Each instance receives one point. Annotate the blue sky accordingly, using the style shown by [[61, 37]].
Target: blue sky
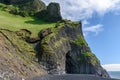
[[106, 44], [101, 26]]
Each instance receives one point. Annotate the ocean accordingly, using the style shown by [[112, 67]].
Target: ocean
[[114, 74]]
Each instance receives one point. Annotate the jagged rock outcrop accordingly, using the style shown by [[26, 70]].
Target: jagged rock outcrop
[[65, 51], [51, 14], [53, 10]]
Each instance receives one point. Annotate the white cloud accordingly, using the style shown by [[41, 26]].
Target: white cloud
[[83, 9], [112, 67], [94, 28], [78, 10], [85, 22]]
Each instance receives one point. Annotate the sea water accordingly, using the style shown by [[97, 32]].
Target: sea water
[[114, 74]]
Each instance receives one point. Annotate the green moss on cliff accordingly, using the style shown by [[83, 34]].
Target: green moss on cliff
[[47, 38], [25, 49], [47, 51], [17, 55], [80, 41], [2, 5], [88, 57], [53, 40], [60, 42], [48, 43], [63, 23]]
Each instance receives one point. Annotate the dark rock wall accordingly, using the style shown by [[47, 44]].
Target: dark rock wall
[[65, 51], [53, 10]]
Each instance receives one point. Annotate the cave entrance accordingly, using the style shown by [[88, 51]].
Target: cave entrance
[[69, 63]]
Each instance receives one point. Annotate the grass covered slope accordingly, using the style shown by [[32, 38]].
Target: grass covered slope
[[16, 22]]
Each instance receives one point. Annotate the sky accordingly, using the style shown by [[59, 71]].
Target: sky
[[101, 27]]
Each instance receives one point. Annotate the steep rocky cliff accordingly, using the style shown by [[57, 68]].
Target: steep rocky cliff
[[64, 50], [17, 57], [59, 50]]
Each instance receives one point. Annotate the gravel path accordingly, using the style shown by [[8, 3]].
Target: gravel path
[[71, 77]]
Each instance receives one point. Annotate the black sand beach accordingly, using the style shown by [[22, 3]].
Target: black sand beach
[[71, 77]]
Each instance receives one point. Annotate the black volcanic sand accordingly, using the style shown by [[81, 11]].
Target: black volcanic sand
[[71, 77]]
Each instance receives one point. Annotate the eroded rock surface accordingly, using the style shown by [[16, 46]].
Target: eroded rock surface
[[17, 57], [66, 51]]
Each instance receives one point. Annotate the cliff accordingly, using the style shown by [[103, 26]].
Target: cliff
[[56, 50], [63, 49]]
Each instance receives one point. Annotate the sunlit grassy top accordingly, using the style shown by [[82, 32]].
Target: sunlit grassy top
[[15, 22]]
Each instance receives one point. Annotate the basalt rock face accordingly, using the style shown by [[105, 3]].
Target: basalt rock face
[[64, 50]]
